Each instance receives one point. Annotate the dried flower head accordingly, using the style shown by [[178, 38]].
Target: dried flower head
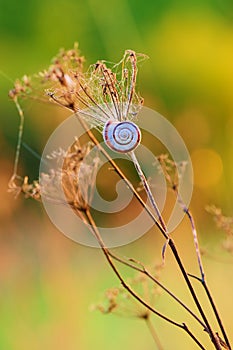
[[119, 302], [99, 94], [57, 77], [79, 175], [30, 190], [172, 171], [76, 177], [224, 223], [109, 93]]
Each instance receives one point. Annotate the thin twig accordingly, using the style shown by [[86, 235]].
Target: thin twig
[[170, 241], [147, 188], [193, 337], [132, 80], [213, 337], [194, 231], [144, 271], [105, 250], [153, 333], [210, 298], [203, 279], [20, 135], [121, 174], [216, 314], [171, 244], [96, 233]]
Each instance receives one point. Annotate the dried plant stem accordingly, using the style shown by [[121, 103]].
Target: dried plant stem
[[216, 314], [213, 305], [213, 337], [194, 231], [193, 337], [170, 243], [105, 250], [111, 161], [19, 141], [147, 189], [144, 271], [74, 86], [121, 174], [203, 278], [152, 200], [153, 333]]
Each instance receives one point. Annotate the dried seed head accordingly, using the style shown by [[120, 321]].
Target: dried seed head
[[223, 222], [30, 190], [100, 94], [119, 302], [79, 176]]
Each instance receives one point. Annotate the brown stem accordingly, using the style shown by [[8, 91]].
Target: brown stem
[[117, 273], [147, 273], [216, 313], [105, 250], [210, 298], [147, 189], [153, 333], [20, 135], [213, 337], [203, 279], [194, 231], [170, 242], [121, 174], [193, 337]]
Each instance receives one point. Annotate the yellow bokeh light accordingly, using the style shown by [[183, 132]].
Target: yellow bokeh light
[[207, 166]]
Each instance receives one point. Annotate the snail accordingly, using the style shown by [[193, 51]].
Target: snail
[[121, 137]]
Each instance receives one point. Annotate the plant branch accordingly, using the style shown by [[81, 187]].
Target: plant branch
[[210, 298], [193, 337], [194, 231], [121, 174], [105, 250], [216, 313], [202, 279], [171, 244], [20, 135], [144, 271], [147, 189], [153, 333], [213, 337]]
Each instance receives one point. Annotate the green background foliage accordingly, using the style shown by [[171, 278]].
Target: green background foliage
[[48, 282]]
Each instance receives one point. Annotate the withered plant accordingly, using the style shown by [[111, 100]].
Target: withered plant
[[102, 95]]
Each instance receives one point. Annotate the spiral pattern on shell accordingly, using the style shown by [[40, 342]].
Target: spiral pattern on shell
[[121, 137]]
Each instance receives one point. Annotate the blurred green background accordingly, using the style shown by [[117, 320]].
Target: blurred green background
[[47, 282]]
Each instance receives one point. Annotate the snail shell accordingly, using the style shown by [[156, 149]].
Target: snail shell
[[122, 136]]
